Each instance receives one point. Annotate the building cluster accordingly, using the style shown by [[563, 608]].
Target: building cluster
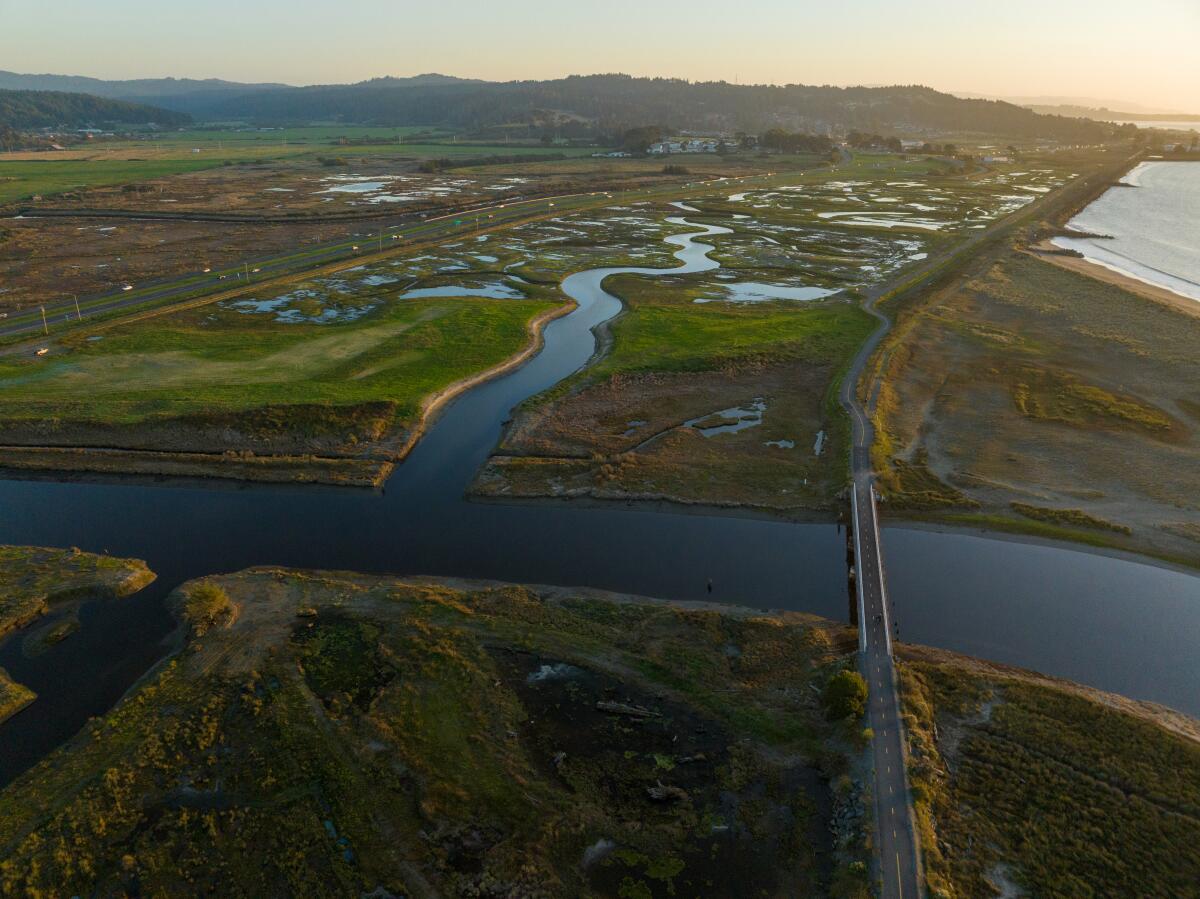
[[690, 145]]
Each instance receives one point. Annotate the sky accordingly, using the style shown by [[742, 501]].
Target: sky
[[1144, 53]]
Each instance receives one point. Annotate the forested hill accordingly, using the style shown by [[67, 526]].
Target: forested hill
[[585, 104], [611, 102], [51, 109]]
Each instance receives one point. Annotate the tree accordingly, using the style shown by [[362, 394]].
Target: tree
[[785, 142], [845, 696], [638, 140]]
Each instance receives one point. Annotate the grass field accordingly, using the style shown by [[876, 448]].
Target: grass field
[[331, 734], [13, 696], [1027, 786], [285, 383], [341, 365], [334, 733], [34, 581], [20, 180], [105, 163]]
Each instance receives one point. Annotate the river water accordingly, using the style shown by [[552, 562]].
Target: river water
[[1112, 623], [1154, 226]]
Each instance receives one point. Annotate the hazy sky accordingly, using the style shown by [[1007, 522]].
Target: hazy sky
[[1146, 52]]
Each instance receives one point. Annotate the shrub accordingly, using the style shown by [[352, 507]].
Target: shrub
[[206, 605], [845, 695]]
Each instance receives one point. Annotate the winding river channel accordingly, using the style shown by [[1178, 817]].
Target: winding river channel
[[1114, 623]]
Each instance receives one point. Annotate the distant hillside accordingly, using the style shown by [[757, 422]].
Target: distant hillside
[[596, 104], [123, 90], [202, 98], [612, 102], [187, 95], [49, 109], [1103, 114]]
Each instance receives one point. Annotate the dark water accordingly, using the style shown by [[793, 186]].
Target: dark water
[[1114, 624]]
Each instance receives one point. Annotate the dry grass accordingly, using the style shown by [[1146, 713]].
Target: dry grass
[[1025, 383]]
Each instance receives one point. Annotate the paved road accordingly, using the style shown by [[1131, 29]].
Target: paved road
[[895, 837], [899, 854]]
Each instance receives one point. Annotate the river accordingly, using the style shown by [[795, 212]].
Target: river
[[1113, 623]]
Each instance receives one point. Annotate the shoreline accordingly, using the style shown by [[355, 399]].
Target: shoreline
[[1097, 271], [338, 471], [1047, 251]]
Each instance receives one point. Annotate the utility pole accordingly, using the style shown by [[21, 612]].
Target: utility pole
[[247, 265], [45, 327], [78, 314]]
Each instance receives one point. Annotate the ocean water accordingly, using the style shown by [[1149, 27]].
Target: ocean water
[[1154, 225]]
